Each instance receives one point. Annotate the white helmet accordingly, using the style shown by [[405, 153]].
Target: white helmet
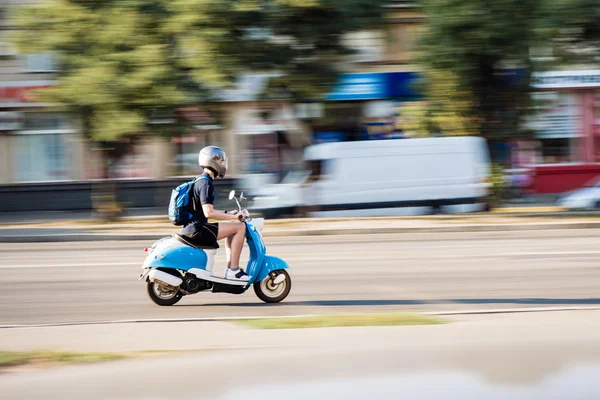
[[215, 159]]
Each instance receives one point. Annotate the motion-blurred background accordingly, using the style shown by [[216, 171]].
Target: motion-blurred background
[[485, 109], [105, 105]]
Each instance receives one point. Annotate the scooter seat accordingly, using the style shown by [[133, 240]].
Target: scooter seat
[[187, 241]]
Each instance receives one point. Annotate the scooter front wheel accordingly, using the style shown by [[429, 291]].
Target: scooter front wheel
[[270, 292], [163, 296]]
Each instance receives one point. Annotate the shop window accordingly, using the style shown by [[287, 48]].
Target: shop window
[[557, 126], [185, 150], [41, 158], [558, 151], [41, 62], [46, 121]]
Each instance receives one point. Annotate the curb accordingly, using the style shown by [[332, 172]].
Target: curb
[[242, 318], [439, 229], [93, 237]]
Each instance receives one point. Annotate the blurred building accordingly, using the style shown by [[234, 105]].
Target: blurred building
[[37, 143], [365, 103], [41, 143], [565, 152]]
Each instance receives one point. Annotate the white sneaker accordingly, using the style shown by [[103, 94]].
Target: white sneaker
[[237, 275]]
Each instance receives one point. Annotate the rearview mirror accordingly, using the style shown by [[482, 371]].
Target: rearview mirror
[[231, 195]]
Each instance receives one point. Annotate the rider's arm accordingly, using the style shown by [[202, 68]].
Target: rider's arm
[[210, 212]]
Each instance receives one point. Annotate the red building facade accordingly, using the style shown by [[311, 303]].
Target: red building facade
[[566, 152]]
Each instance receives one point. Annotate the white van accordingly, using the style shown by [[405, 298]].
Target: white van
[[392, 177]]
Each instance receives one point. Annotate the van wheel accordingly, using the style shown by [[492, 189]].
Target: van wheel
[[436, 210]]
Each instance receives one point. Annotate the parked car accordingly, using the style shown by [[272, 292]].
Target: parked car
[[585, 198]]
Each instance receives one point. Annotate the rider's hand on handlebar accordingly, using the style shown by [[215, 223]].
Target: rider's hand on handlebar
[[241, 217]]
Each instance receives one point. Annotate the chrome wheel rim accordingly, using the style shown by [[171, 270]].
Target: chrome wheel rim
[[162, 292], [270, 289]]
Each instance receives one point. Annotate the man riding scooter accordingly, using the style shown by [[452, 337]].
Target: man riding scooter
[[213, 160]]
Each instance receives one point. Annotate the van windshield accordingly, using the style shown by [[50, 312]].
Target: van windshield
[[315, 167], [296, 177]]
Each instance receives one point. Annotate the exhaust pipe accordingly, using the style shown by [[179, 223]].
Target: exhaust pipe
[[164, 279]]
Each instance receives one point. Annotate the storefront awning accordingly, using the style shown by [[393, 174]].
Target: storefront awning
[[571, 79]]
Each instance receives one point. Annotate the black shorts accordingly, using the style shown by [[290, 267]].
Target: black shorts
[[205, 235]]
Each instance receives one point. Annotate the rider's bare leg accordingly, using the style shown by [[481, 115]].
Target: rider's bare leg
[[228, 250], [233, 231]]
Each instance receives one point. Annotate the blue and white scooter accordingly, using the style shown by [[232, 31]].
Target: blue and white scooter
[[175, 267]]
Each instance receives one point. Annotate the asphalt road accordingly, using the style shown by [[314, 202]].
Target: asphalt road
[[87, 282]]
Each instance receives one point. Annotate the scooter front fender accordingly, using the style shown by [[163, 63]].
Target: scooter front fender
[[270, 264]]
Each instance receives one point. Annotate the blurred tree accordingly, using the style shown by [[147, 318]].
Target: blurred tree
[[445, 109], [576, 31], [127, 63], [485, 45]]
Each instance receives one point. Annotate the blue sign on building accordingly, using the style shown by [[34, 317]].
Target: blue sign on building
[[329, 137], [382, 85], [403, 84], [359, 87]]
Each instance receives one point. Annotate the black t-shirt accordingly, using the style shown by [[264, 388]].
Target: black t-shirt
[[203, 192]]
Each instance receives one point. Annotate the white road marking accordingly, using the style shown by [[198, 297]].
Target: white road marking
[[104, 264], [324, 258], [59, 255], [513, 310], [237, 318]]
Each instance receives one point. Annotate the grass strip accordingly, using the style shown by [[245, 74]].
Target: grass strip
[[18, 358], [329, 321]]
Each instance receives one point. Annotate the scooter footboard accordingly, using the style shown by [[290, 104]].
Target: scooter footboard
[[271, 264]]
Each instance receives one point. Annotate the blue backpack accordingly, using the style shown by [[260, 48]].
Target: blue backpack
[[179, 206]]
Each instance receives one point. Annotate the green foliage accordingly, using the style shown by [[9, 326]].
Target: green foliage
[[576, 31], [479, 40], [124, 61], [476, 41], [117, 69], [446, 110], [498, 191], [16, 358]]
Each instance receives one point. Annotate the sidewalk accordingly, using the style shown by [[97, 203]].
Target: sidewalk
[[153, 228], [531, 213], [541, 356], [530, 204], [148, 336]]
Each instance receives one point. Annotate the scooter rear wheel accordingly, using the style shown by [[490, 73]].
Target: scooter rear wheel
[[162, 296], [269, 292]]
